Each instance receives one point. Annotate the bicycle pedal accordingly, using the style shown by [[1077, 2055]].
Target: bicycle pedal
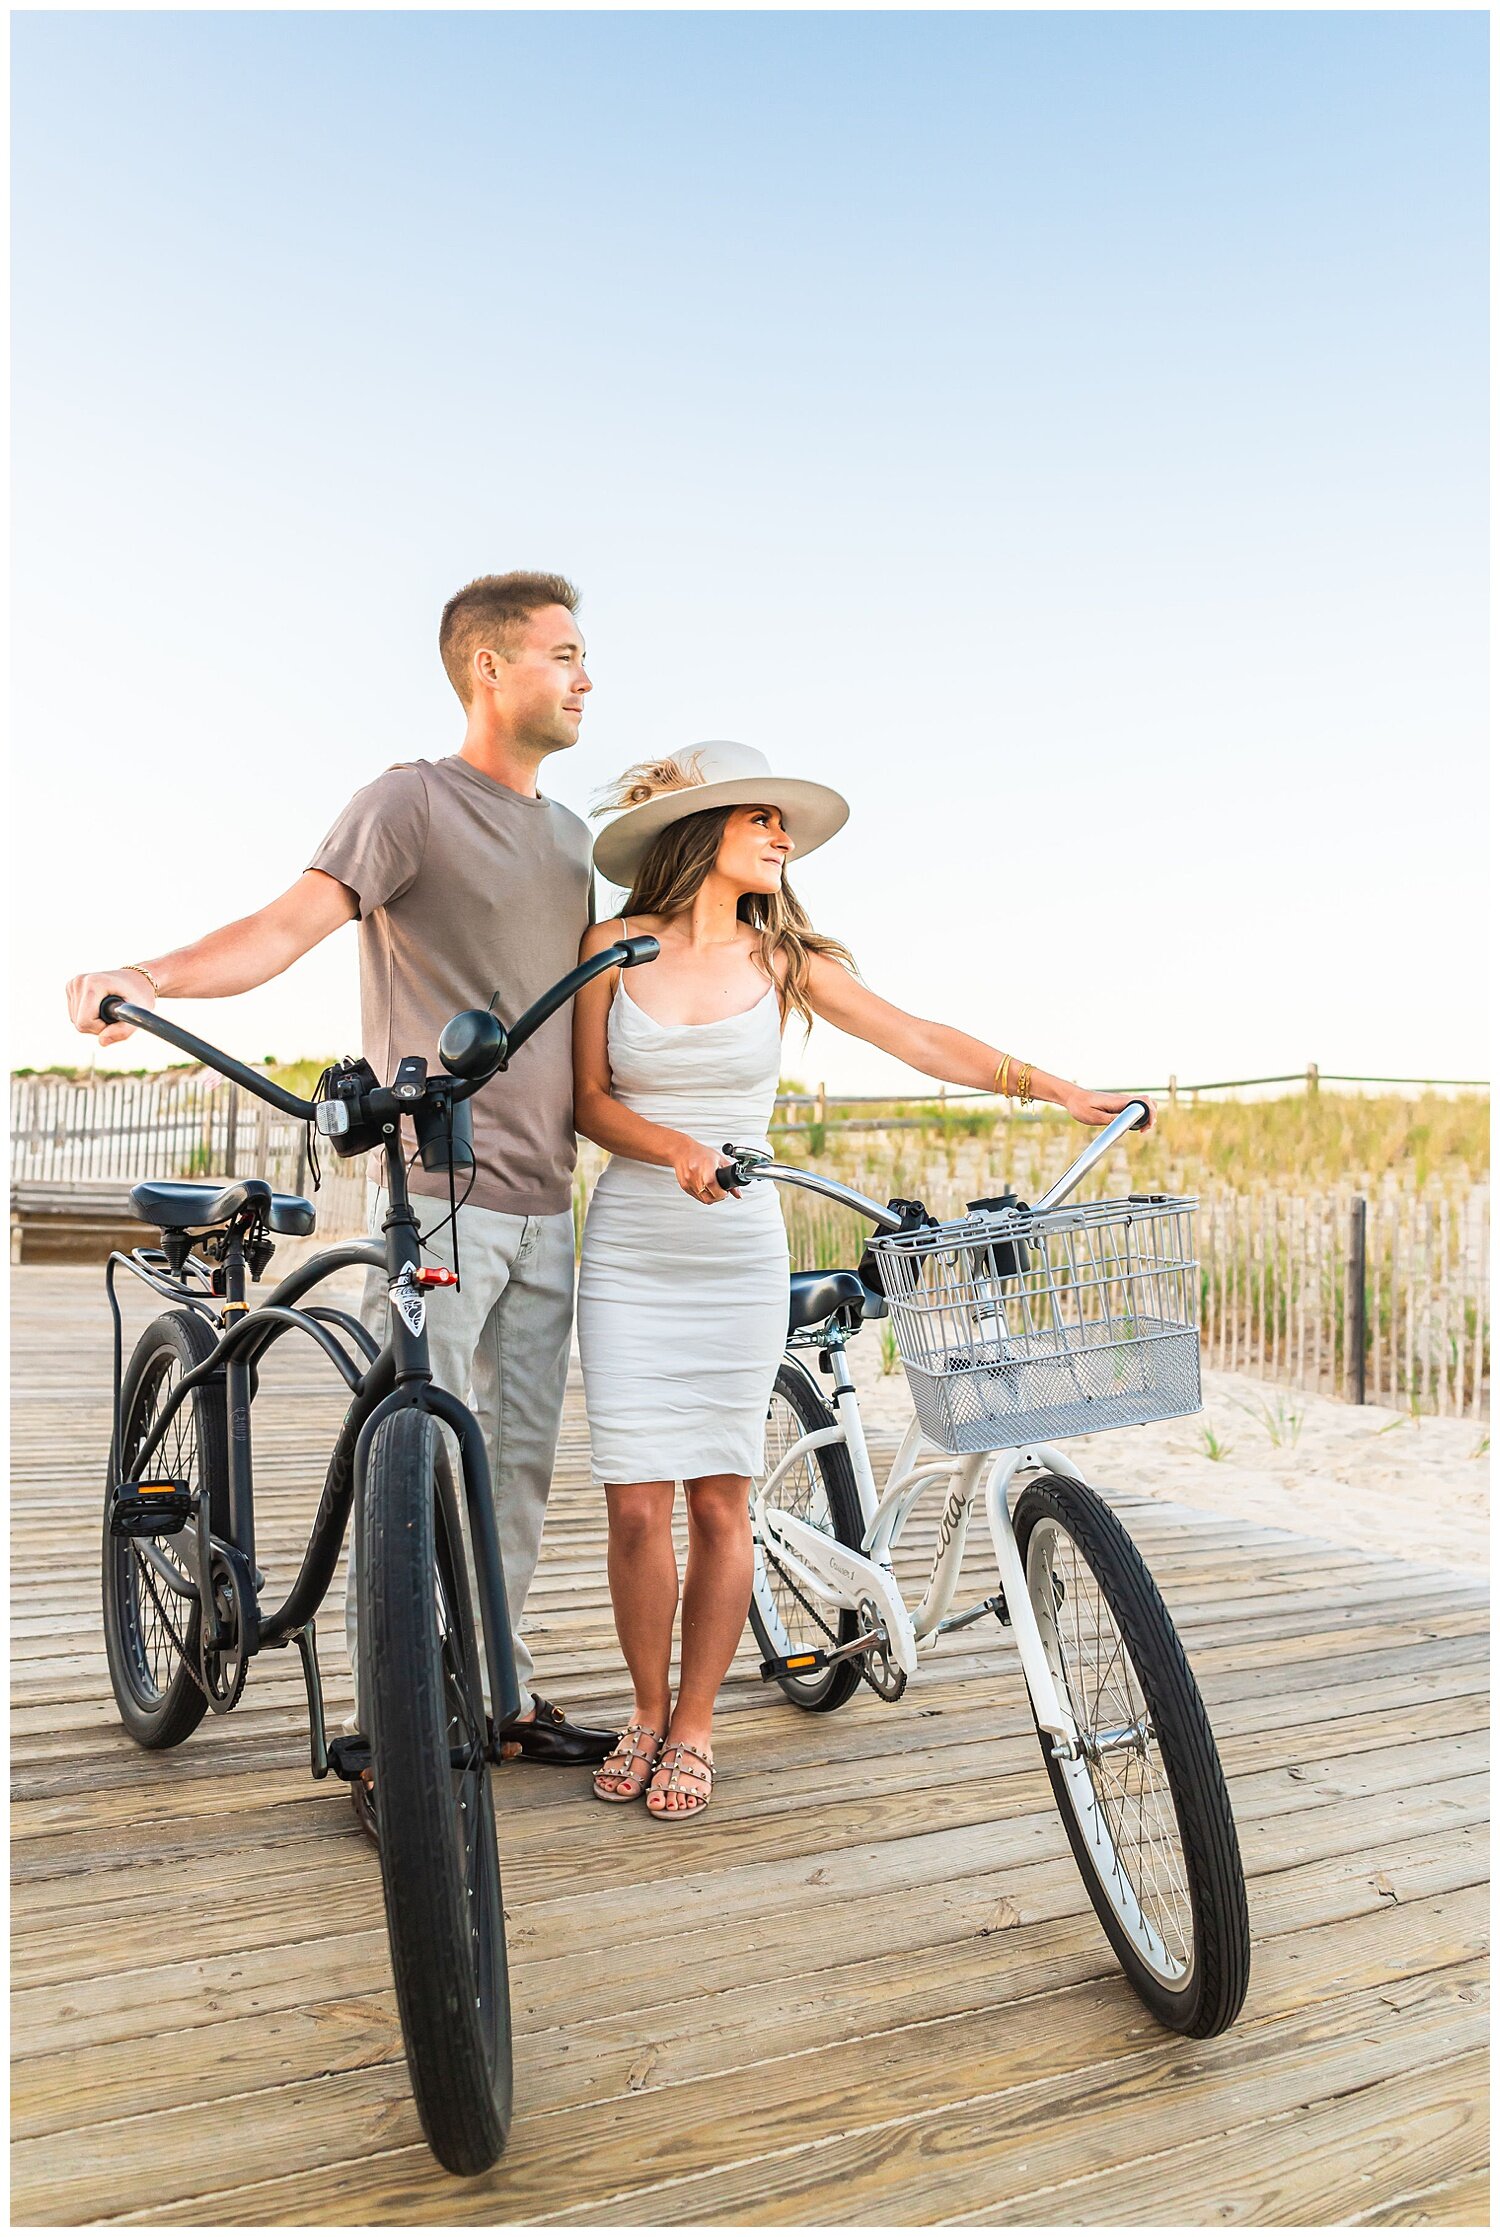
[[151, 1509], [799, 1665], [349, 1755]]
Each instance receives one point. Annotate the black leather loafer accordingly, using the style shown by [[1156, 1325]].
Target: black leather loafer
[[548, 1737]]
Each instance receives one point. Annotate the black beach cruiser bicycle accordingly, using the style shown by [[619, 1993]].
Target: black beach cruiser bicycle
[[183, 1616]]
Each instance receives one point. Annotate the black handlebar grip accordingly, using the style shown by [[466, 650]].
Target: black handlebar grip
[[110, 1007], [642, 949], [728, 1176]]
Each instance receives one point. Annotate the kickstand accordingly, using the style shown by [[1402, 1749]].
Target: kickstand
[[307, 1647]]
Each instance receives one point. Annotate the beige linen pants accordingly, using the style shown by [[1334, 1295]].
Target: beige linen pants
[[499, 1342]]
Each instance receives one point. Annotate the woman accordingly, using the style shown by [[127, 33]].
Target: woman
[[682, 1292]]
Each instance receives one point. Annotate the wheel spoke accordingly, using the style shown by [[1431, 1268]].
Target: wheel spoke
[[156, 1639], [800, 1492], [1120, 1790]]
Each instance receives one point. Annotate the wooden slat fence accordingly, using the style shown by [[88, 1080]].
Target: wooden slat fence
[[1277, 1297], [171, 1127]]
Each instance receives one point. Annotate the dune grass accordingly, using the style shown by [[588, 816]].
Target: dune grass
[[1309, 1141]]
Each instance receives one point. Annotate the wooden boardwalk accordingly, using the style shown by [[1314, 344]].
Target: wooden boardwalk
[[867, 1989]]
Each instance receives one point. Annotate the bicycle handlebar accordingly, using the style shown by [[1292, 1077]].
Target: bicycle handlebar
[[754, 1165], [1134, 1114], [818, 1184], [622, 955], [116, 1011]]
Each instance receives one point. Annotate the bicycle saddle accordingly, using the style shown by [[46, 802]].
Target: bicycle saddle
[[183, 1204], [816, 1296]]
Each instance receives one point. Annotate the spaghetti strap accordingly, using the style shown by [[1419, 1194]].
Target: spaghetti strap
[[624, 928]]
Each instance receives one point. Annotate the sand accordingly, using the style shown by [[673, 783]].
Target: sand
[[1358, 1476]]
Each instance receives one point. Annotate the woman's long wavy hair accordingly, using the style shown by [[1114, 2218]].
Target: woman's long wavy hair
[[680, 858]]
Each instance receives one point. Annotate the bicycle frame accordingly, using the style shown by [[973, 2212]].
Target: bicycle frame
[[845, 1578], [381, 1380], [842, 1577], [475, 1046]]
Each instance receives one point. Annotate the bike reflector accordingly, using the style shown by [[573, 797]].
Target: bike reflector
[[435, 1277]]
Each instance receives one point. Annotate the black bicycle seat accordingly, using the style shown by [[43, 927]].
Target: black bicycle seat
[[194, 1204], [815, 1297]]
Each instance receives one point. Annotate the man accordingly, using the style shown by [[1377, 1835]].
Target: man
[[466, 882]]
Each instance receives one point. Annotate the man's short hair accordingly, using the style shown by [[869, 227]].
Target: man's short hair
[[489, 611]]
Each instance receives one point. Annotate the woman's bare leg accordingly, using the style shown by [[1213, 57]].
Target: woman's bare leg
[[715, 1602], [643, 1589]]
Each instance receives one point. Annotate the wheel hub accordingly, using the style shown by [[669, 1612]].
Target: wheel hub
[[1133, 1739]]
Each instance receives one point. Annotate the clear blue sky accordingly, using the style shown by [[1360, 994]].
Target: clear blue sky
[[1063, 432]]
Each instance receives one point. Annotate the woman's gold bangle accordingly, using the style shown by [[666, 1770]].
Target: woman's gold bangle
[[145, 974], [1002, 1070], [1023, 1084]]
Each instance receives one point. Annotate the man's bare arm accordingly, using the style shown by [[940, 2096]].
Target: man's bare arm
[[230, 961]]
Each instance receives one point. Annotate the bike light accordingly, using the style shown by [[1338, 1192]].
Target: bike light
[[435, 1277]]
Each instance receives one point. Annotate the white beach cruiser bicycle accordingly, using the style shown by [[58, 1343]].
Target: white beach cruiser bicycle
[[1015, 1325]]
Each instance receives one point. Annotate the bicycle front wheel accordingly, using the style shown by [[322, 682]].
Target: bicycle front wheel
[[424, 1701], [1144, 1804]]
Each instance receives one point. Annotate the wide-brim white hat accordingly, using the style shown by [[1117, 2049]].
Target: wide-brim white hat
[[726, 776]]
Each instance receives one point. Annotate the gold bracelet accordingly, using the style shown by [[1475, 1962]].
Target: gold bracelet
[[145, 974], [1001, 1071], [1023, 1085]]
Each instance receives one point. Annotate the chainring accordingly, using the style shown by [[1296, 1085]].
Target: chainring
[[223, 1669], [878, 1667]]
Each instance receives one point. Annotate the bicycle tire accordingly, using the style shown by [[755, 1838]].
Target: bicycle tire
[[822, 1491], [150, 1641], [1182, 1935], [441, 1873]]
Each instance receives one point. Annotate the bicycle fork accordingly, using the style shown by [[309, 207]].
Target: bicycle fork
[[1051, 1711]]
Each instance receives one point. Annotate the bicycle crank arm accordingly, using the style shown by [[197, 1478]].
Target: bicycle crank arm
[[838, 1574], [806, 1660], [994, 1606]]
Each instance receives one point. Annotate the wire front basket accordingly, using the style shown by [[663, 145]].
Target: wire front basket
[[1018, 1327]]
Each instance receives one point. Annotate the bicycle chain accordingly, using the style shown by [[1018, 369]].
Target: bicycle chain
[[179, 1642], [799, 1597]]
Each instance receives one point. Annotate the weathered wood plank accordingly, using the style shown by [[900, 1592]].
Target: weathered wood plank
[[562, 1978], [1057, 2082], [1317, 2164], [1463, 2203]]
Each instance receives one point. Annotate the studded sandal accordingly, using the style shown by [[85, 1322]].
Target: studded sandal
[[700, 1770], [618, 1764]]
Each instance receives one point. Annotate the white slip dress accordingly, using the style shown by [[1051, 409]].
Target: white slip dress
[[682, 1306]]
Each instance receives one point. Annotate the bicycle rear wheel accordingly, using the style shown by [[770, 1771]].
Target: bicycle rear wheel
[[424, 1701], [819, 1489], [151, 1613], [1145, 1805]]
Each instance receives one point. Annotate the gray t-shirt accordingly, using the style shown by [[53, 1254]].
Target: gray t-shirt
[[465, 888]]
